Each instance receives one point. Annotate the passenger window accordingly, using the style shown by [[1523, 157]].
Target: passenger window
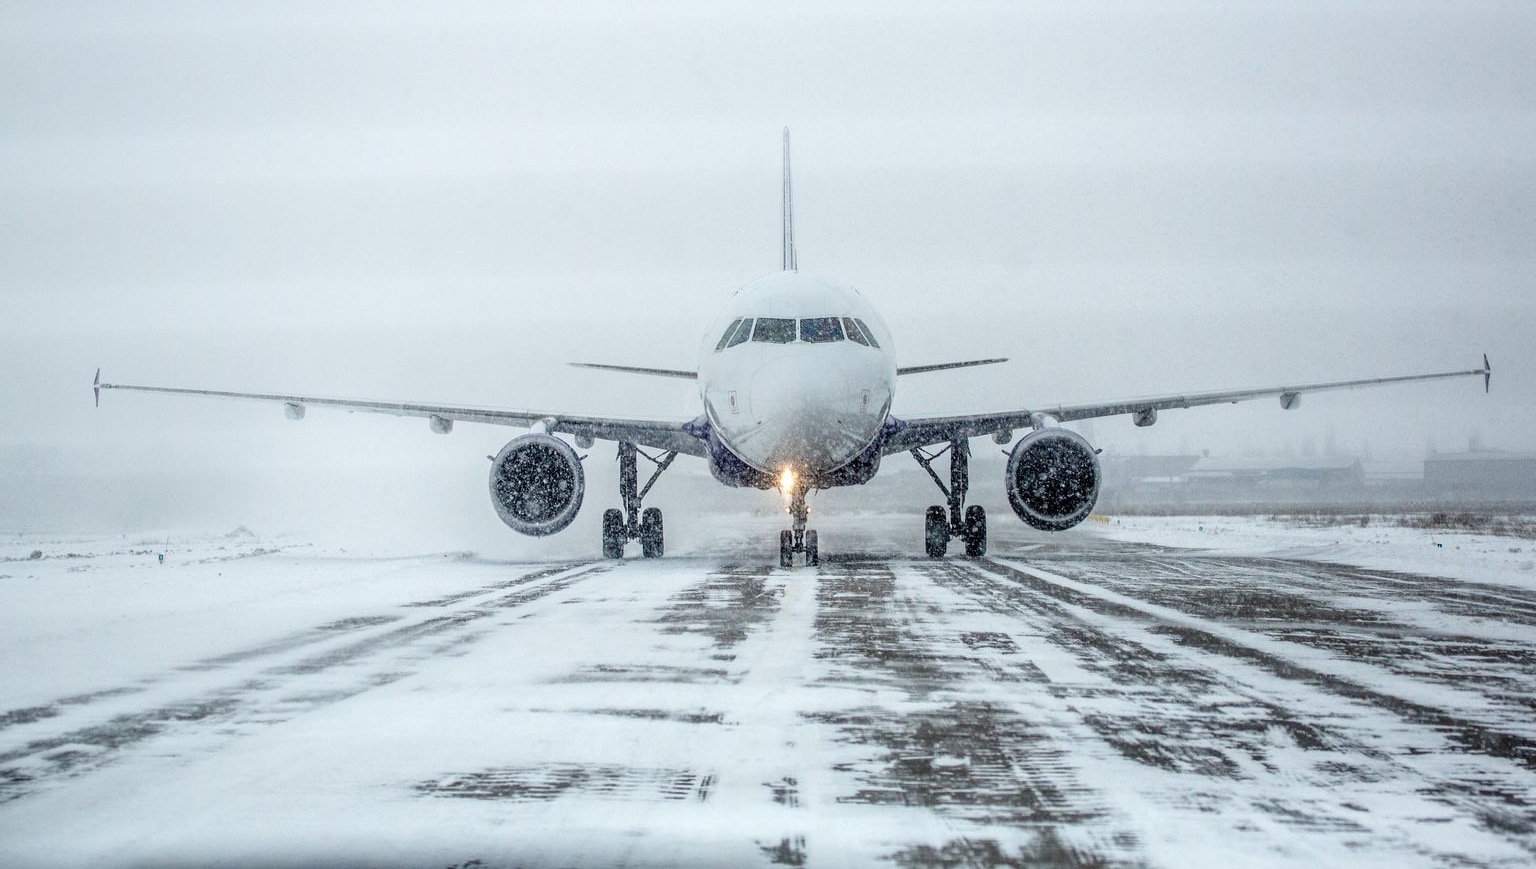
[[774, 330], [820, 330], [868, 335], [854, 334], [729, 331], [742, 333]]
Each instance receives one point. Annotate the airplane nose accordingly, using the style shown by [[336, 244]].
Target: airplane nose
[[805, 415], [789, 383]]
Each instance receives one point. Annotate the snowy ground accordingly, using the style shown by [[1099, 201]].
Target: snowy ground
[[1276, 696], [1379, 542]]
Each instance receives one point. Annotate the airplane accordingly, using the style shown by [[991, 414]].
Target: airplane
[[796, 378]]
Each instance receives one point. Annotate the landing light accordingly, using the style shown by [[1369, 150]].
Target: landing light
[[789, 488]]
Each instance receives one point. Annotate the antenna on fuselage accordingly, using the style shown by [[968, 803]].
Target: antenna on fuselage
[[790, 263]]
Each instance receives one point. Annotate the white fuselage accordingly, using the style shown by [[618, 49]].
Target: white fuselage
[[808, 389]]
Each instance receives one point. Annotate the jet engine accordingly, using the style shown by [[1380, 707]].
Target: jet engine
[[1053, 479], [537, 484]]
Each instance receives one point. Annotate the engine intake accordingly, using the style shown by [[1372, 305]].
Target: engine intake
[[537, 484], [1053, 479]]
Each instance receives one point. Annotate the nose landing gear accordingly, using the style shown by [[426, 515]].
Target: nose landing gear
[[798, 539], [620, 527], [967, 523]]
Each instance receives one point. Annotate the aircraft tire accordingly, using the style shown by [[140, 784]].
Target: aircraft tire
[[786, 549], [812, 552], [652, 540], [936, 532], [975, 531], [613, 534]]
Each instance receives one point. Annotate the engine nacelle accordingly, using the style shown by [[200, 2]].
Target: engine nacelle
[[537, 484], [1053, 479]]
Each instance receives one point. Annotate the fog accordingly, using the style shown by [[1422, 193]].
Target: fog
[[422, 202]]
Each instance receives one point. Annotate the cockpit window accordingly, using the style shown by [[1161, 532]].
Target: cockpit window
[[729, 331], [812, 330], [774, 330], [743, 332], [820, 330], [859, 332]]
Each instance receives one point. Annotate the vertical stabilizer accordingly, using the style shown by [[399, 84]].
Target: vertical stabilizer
[[790, 263]]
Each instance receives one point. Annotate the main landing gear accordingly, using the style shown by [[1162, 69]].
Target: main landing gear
[[797, 538], [967, 523], [620, 527]]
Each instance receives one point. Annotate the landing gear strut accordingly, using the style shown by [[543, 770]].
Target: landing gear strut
[[798, 539], [967, 523], [620, 527]]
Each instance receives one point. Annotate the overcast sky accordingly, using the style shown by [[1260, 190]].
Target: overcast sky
[[449, 201]]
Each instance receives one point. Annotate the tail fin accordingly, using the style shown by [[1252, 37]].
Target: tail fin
[[790, 262]]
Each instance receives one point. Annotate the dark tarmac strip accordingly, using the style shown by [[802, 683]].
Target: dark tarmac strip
[[1067, 702]]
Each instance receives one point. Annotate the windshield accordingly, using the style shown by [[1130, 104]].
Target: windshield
[[783, 330], [774, 330], [820, 330]]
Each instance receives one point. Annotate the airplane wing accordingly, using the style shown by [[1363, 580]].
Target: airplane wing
[[946, 366], [648, 433], [940, 429], [630, 369]]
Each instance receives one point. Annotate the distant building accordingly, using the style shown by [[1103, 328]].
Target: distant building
[[1399, 474], [1123, 471], [1306, 473], [1475, 479], [1142, 479], [1491, 472]]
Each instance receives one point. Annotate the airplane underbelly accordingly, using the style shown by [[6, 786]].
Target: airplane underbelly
[[812, 443]]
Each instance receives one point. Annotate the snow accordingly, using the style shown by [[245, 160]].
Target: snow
[[1482, 558], [263, 700]]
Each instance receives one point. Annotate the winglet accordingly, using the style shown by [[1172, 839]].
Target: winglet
[[1487, 373], [96, 387], [791, 263]]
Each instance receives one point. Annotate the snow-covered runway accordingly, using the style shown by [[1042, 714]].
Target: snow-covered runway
[[1070, 700]]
